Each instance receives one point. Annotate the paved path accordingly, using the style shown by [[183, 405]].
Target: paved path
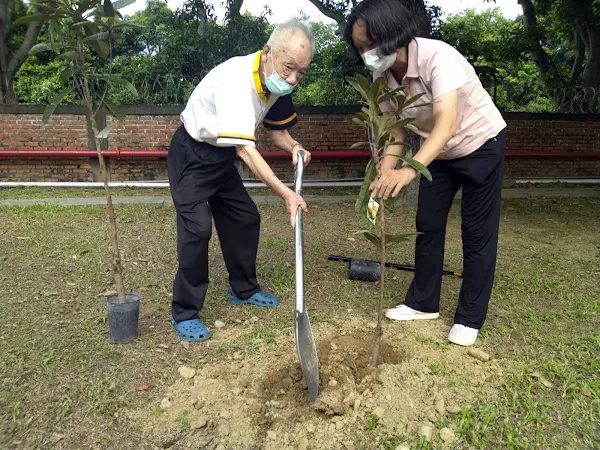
[[261, 199]]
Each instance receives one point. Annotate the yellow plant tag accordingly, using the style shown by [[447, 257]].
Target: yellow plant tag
[[372, 208]]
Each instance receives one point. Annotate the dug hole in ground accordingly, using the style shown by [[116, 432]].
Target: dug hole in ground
[[252, 401]]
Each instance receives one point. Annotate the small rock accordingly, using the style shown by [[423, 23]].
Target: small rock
[[454, 409], [287, 383], [478, 354], [337, 419], [372, 325], [403, 447], [165, 346], [198, 403], [165, 404], [333, 382], [225, 414], [221, 447], [199, 423], [447, 435], [339, 426], [388, 398], [255, 408], [224, 430], [349, 446], [57, 437], [303, 444], [253, 319], [185, 344], [219, 324], [426, 432], [310, 427], [379, 411], [238, 321], [186, 372], [271, 435], [343, 333], [334, 347], [236, 391], [432, 417], [440, 405], [275, 404], [238, 355]]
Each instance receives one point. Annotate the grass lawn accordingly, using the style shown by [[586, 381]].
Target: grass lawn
[[64, 385]]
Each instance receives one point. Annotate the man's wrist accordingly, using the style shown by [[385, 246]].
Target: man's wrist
[[297, 144]]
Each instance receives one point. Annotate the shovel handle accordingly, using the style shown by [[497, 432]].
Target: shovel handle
[[298, 237]]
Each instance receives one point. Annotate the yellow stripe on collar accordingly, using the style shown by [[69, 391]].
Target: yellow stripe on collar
[[257, 84]]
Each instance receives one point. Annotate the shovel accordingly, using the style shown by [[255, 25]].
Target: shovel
[[305, 343]]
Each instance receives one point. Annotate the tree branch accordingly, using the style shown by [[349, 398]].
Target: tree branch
[[579, 58], [234, 8], [31, 37], [329, 12], [537, 51]]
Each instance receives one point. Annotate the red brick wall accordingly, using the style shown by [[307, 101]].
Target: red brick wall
[[319, 129]]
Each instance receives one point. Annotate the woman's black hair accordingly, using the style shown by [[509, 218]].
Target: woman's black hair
[[389, 23]]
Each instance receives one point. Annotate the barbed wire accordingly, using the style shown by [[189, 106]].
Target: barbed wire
[[175, 90]]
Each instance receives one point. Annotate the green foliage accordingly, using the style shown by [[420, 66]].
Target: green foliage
[[382, 127], [37, 83], [81, 33]]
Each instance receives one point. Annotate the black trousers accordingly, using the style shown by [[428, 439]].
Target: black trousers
[[205, 184], [480, 174]]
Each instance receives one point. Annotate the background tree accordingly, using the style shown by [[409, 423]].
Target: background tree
[[15, 42]]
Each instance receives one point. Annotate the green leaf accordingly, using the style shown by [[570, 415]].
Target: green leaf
[[423, 170], [102, 36], [372, 237], [412, 100], [412, 128], [32, 19], [359, 122], [106, 131], [101, 47], [40, 48], [115, 110], [123, 3], [125, 83], [357, 87], [396, 238], [364, 194], [109, 10], [70, 55], [358, 144], [54, 101], [66, 75]]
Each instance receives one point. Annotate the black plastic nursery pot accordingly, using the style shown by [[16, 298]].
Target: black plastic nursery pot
[[123, 317]]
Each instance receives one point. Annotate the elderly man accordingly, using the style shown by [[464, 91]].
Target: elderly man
[[219, 123]]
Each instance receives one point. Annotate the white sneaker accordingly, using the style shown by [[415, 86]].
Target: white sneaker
[[462, 335], [403, 312]]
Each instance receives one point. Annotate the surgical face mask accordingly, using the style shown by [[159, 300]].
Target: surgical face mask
[[275, 84], [377, 63]]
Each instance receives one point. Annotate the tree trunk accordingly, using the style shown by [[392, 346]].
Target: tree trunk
[[539, 55], [417, 7], [9, 66], [112, 218], [409, 196], [379, 329], [590, 76]]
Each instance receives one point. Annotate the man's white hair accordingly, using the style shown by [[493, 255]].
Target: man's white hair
[[283, 31]]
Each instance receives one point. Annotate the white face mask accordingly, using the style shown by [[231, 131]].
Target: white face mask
[[377, 63]]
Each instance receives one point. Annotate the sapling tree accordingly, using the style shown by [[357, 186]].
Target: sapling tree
[[82, 32], [381, 128]]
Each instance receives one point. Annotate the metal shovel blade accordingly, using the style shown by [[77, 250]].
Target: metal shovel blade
[[305, 343], [307, 353]]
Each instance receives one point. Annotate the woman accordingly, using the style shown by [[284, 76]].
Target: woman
[[462, 145]]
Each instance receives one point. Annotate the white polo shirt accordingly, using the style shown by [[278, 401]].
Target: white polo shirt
[[227, 106]]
